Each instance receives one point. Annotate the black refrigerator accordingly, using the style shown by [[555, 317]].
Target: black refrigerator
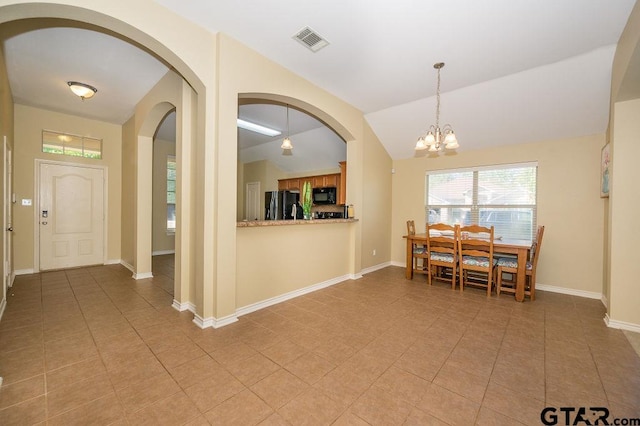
[[278, 205]]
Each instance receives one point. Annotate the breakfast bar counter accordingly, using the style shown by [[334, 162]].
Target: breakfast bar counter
[[260, 223]]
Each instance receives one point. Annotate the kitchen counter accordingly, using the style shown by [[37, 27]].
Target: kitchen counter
[[259, 223]]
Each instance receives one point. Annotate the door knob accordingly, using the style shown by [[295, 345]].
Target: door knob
[[44, 223]]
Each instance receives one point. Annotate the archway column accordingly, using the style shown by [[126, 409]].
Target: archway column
[[185, 163], [143, 208]]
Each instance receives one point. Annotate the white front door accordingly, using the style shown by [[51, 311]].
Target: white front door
[[71, 216]]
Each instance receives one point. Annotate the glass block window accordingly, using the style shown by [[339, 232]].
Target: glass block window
[[72, 145]]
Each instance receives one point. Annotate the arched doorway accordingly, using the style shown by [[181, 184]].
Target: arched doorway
[[144, 122]]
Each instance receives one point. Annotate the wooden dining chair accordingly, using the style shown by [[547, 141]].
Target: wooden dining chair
[[442, 246], [419, 256], [510, 266], [475, 254]]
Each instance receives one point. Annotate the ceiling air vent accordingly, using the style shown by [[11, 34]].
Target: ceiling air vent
[[310, 39]]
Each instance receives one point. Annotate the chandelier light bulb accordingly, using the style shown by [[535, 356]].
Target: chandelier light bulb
[[450, 141], [430, 139]]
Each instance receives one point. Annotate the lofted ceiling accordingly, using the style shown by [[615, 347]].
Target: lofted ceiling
[[516, 70]]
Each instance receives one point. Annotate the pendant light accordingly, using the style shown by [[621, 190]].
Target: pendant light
[[286, 143]]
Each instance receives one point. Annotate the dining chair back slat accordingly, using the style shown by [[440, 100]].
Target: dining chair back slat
[[442, 240], [475, 254]]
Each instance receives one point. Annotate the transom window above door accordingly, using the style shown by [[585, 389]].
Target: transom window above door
[[72, 145]]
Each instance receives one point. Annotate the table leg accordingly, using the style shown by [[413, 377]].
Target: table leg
[[522, 274], [409, 271]]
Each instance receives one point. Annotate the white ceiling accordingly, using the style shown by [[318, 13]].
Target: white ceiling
[[516, 70]]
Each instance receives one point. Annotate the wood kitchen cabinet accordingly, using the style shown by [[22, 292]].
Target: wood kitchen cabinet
[[331, 180], [320, 181], [324, 181], [342, 186], [289, 184]]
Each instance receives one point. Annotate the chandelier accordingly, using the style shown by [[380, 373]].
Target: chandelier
[[437, 138]]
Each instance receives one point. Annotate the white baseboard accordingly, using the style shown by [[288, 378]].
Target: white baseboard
[[605, 301], [396, 263], [292, 294], [135, 275], [3, 305], [213, 322], [24, 271], [181, 307], [142, 275], [622, 325], [129, 267], [13, 278], [161, 252], [570, 291], [375, 268], [113, 262]]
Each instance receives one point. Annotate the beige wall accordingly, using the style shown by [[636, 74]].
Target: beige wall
[[569, 204], [162, 241], [377, 202], [624, 298], [29, 123], [6, 130], [621, 225], [242, 71], [171, 92], [127, 194], [281, 259], [264, 172]]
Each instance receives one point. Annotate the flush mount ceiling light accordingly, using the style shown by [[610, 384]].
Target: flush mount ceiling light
[[434, 140], [286, 143], [84, 91], [247, 125]]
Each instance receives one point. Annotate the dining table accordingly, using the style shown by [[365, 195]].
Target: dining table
[[519, 248]]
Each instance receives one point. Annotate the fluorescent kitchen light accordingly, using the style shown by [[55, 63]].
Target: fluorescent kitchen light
[[257, 128]]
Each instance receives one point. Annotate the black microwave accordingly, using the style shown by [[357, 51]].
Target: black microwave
[[324, 195]]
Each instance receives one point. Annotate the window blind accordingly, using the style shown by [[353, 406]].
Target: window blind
[[500, 196]]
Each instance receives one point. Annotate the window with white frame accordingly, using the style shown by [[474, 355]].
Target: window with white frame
[[503, 196], [171, 193]]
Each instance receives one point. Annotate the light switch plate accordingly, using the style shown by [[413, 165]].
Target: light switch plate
[[26, 202]]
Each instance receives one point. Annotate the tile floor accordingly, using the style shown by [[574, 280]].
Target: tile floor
[[93, 346]]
